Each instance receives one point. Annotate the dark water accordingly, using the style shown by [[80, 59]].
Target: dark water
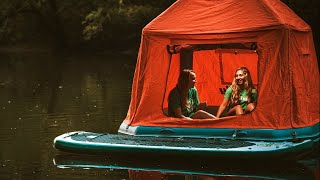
[[44, 95]]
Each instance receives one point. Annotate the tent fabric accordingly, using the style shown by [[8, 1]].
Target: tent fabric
[[284, 67]]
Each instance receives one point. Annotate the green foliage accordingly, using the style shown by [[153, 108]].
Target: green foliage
[[96, 22], [9, 13], [116, 15], [76, 21], [138, 14], [93, 23]]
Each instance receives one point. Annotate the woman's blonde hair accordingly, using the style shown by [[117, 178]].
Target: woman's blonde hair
[[236, 89]]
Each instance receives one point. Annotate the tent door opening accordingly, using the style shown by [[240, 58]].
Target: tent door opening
[[214, 65]]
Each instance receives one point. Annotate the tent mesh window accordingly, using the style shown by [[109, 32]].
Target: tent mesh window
[[214, 66]]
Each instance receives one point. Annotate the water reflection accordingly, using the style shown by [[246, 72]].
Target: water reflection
[[164, 168], [43, 95]]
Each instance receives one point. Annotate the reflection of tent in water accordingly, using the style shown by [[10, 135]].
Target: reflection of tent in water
[[264, 35]]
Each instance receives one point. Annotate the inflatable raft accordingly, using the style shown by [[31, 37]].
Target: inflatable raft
[[104, 144]]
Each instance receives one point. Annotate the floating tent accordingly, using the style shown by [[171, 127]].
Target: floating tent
[[263, 35]]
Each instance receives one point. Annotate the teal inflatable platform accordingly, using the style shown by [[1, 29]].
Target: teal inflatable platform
[[81, 142]]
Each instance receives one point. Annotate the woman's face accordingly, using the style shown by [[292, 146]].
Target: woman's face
[[240, 77], [192, 80]]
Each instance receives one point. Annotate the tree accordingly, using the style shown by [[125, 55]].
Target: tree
[[96, 23]]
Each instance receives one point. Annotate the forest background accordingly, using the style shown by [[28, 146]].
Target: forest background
[[74, 26]]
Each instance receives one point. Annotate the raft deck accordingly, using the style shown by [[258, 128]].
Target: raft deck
[[96, 143]]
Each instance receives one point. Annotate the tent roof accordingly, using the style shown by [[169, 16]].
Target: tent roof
[[216, 16]]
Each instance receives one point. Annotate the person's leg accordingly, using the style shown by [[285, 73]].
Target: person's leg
[[201, 114], [249, 108], [237, 110]]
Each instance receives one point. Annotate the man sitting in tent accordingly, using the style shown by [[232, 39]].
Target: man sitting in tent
[[183, 99]]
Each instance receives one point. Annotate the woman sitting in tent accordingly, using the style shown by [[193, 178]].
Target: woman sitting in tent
[[183, 100], [241, 96]]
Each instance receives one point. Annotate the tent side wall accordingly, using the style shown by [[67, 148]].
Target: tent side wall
[[149, 79], [305, 86]]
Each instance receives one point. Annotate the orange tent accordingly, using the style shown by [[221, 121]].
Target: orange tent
[[279, 53]]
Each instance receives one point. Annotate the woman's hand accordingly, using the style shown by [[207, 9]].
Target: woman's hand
[[222, 107], [202, 106]]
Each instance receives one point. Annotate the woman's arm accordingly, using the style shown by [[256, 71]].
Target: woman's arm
[[178, 114], [222, 107]]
